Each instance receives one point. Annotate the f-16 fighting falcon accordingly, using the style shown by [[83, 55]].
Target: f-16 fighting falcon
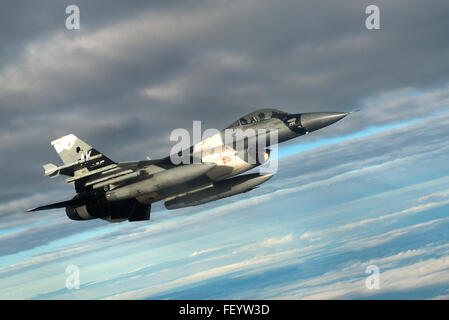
[[125, 190]]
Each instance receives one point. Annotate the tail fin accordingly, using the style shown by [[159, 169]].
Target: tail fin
[[72, 149]]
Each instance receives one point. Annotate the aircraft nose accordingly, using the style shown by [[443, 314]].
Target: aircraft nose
[[317, 120]]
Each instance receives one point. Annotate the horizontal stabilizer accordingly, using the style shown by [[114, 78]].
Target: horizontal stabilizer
[[57, 205], [51, 170]]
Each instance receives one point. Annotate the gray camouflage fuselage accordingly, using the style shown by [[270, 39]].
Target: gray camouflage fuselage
[[125, 191]]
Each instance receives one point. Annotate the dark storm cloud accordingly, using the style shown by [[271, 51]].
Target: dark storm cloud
[[26, 21], [136, 70]]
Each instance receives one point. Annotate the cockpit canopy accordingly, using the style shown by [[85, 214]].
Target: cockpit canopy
[[257, 116]]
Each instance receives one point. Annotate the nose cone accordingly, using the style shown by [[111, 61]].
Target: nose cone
[[317, 120]]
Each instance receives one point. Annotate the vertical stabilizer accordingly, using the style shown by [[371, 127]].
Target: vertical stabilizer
[[71, 149]]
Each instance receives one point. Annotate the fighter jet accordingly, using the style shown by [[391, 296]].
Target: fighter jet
[[120, 191]]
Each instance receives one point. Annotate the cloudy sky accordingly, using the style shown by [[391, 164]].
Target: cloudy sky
[[372, 189]]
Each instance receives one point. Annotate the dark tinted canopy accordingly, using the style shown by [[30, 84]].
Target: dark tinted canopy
[[259, 115]]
